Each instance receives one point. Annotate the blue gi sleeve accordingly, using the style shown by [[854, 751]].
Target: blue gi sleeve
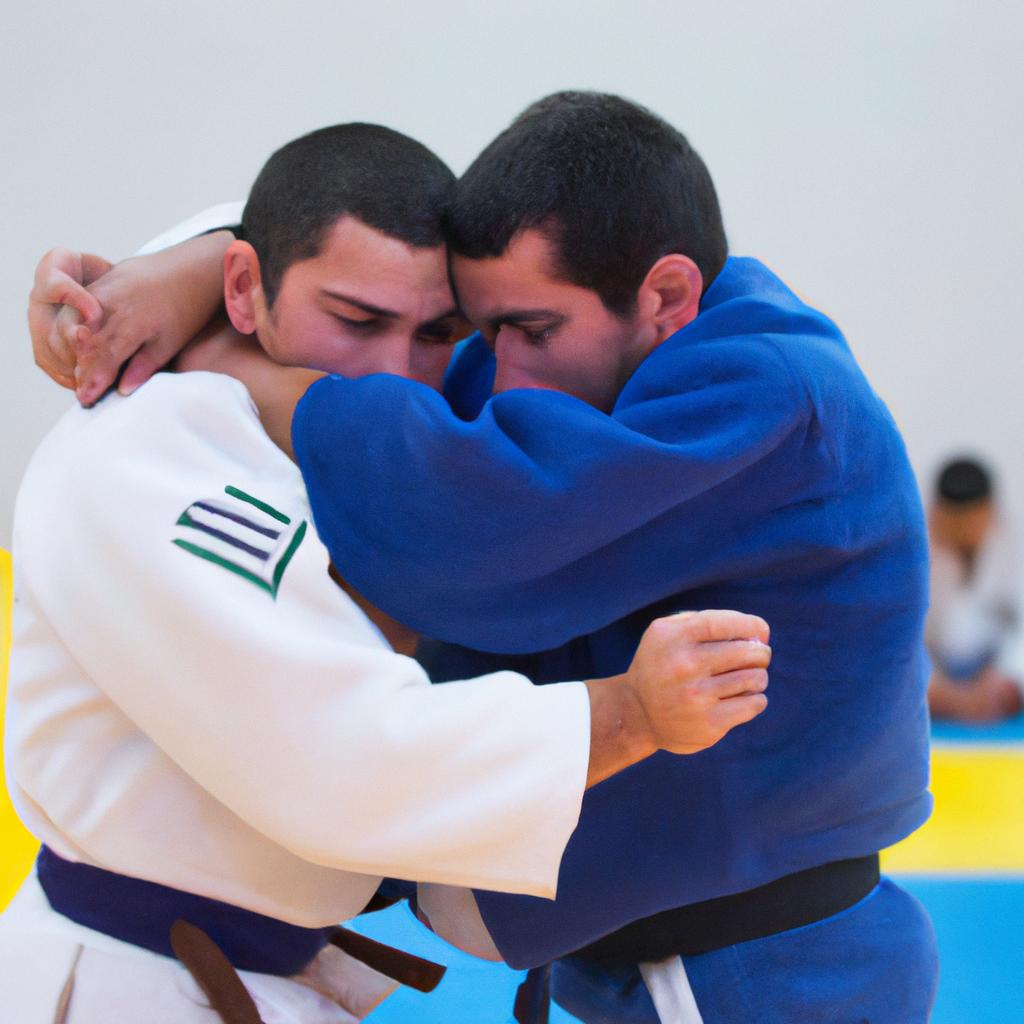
[[478, 531]]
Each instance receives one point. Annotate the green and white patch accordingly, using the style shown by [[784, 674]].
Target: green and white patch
[[242, 534]]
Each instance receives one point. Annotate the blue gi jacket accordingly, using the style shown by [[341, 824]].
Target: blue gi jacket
[[746, 464]]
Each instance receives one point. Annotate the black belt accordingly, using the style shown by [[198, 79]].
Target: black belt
[[789, 902]]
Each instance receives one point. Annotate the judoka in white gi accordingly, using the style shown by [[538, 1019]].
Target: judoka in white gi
[[973, 631], [194, 702]]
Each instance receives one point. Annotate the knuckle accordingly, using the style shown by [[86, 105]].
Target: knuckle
[[51, 284], [67, 293], [704, 625], [661, 626], [87, 349], [684, 622], [754, 654], [755, 679], [50, 258], [685, 663], [660, 631]]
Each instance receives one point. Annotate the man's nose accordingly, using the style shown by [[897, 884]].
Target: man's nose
[[395, 356]]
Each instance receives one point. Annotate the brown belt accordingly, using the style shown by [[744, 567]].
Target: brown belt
[[229, 997]]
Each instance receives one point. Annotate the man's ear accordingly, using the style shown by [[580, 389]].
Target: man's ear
[[669, 297], [242, 285]]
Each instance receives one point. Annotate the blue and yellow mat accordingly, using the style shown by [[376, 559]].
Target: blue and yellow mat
[[966, 865]]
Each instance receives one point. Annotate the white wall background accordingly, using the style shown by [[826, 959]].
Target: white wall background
[[865, 150]]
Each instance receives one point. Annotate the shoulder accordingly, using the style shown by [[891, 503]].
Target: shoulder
[[764, 319], [738, 374], [755, 311], [174, 494], [224, 215], [172, 416], [126, 459], [199, 402]]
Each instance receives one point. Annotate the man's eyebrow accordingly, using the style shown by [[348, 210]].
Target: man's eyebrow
[[447, 315], [367, 307], [517, 316]]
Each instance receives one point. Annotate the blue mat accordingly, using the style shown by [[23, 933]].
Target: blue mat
[[1011, 732], [978, 921], [472, 992], [978, 924], [981, 950]]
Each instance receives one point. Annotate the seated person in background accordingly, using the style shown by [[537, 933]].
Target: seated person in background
[[972, 620]]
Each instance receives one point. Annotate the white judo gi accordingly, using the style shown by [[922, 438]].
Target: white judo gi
[[974, 619], [194, 702]]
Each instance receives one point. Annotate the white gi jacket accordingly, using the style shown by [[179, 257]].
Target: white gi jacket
[[193, 701], [972, 619]]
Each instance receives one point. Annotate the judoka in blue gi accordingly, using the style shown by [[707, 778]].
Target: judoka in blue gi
[[714, 444]]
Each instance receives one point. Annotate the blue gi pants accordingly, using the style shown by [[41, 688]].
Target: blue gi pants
[[874, 963]]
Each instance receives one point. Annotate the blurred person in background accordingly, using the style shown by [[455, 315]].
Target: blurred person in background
[[972, 629]]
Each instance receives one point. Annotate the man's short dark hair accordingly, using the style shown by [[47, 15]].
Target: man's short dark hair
[[613, 186], [964, 481], [385, 179]]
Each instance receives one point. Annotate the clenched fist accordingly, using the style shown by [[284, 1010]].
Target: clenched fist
[[695, 676]]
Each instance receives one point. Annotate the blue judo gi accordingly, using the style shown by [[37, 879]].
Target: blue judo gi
[[746, 464]]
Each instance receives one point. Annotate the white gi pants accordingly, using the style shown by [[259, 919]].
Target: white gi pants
[[53, 971]]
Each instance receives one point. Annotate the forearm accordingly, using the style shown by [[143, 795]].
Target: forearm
[[193, 273], [276, 390], [556, 497]]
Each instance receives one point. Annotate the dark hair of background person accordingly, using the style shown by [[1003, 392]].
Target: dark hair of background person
[[613, 186], [383, 178], [964, 481]]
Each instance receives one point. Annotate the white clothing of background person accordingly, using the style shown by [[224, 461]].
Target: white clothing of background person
[[974, 619]]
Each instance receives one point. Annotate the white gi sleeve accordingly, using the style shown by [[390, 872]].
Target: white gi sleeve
[[167, 541], [210, 219]]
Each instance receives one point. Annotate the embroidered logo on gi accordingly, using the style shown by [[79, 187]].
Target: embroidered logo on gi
[[246, 536]]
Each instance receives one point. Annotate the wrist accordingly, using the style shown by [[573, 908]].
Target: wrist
[[620, 732]]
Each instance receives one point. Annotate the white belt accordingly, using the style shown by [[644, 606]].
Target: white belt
[[670, 991]]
